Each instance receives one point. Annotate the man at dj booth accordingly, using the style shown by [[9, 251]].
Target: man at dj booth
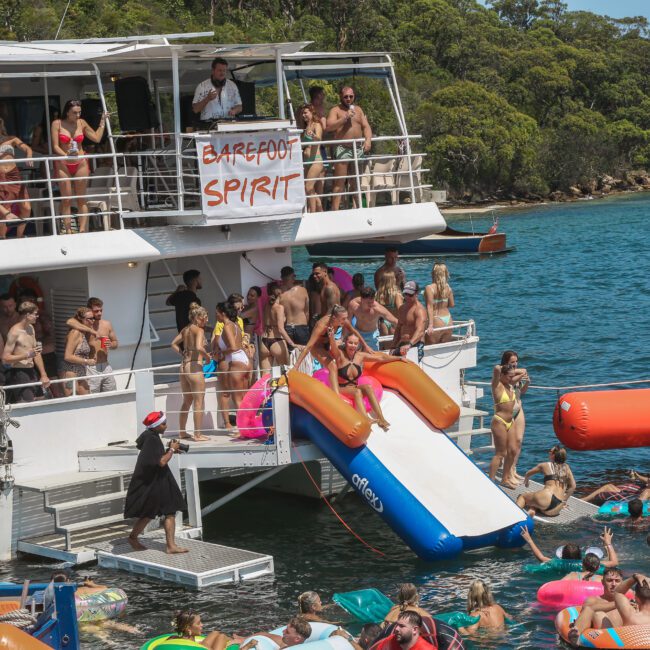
[[217, 97]]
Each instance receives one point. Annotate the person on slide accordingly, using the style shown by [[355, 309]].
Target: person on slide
[[481, 602], [614, 609], [572, 551], [345, 370], [559, 485]]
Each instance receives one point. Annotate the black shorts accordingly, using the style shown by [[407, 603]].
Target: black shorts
[[22, 376], [50, 363], [298, 333]]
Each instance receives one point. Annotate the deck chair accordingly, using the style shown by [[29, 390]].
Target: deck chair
[[403, 179], [104, 185], [381, 178]]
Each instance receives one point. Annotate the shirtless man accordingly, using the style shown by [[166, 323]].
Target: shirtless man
[[297, 631], [8, 315], [347, 121], [100, 378], [411, 323], [23, 354], [613, 608], [330, 294], [391, 255], [295, 301], [367, 312]]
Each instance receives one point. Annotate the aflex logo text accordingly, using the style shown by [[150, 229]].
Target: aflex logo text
[[362, 484]]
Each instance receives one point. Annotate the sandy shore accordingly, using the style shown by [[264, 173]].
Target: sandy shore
[[483, 209]]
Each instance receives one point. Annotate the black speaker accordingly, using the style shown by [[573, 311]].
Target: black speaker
[[91, 111], [247, 94], [135, 107], [189, 119]]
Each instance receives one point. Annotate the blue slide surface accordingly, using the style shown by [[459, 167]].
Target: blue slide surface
[[421, 483]]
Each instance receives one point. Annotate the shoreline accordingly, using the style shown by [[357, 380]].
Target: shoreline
[[482, 208]]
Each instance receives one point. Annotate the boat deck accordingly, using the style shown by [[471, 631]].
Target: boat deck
[[206, 563], [576, 508]]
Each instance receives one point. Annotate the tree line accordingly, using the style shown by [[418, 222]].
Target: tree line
[[517, 98]]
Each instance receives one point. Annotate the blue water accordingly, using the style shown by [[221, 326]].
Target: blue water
[[573, 300]]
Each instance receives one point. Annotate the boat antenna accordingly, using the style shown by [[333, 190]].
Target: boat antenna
[[65, 11]]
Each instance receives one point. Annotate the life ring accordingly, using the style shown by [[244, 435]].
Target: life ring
[[26, 282], [323, 375], [251, 420], [100, 606], [626, 636], [620, 509], [164, 641], [342, 279], [558, 566], [568, 593]]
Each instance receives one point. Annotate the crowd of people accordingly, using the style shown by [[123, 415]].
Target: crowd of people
[[316, 318], [28, 349]]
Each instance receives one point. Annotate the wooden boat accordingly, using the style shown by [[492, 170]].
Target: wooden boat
[[447, 242]]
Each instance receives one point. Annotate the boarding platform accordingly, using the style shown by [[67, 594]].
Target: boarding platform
[[576, 509], [206, 564]]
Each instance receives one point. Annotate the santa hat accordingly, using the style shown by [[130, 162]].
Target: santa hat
[[154, 419]]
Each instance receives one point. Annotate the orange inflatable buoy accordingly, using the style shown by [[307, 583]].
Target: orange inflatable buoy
[[11, 638], [604, 419]]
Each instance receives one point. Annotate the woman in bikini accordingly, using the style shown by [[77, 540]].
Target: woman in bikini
[[319, 341], [312, 134], [275, 340], [191, 345], [68, 135], [390, 296], [439, 297], [481, 603], [504, 397], [346, 368], [516, 433], [230, 345], [80, 351], [559, 485]]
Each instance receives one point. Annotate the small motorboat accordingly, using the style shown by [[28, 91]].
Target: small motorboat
[[447, 242]]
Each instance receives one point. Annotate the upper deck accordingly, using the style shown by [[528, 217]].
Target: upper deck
[[158, 184]]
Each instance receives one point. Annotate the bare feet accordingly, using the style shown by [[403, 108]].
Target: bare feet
[[384, 424], [172, 550], [135, 544], [510, 486], [199, 438]]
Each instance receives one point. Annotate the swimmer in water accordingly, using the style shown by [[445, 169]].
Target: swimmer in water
[[188, 626], [481, 602], [590, 566]]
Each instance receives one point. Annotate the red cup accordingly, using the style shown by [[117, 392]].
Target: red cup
[[105, 342]]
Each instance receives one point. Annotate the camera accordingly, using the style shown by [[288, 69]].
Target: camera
[[183, 447]]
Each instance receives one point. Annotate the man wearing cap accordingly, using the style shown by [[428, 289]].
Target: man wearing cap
[[295, 300], [153, 491], [411, 323]]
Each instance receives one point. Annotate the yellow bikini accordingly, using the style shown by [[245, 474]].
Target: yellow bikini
[[505, 398]]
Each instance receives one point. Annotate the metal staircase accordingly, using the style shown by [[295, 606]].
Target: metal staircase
[[162, 318]]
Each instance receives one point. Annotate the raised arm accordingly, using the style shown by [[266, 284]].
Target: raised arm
[[525, 535], [496, 380], [333, 370], [90, 133], [74, 324], [335, 120], [612, 557]]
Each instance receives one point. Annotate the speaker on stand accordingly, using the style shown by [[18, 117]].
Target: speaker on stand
[[135, 108]]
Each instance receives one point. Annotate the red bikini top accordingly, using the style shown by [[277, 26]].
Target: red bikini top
[[65, 138]]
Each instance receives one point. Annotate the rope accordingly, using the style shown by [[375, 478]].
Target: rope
[[564, 388], [266, 275], [331, 507]]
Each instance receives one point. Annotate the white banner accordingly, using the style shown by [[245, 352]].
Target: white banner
[[256, 174]]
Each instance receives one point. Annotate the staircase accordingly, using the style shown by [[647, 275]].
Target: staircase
[[162, 282], [64, 516]]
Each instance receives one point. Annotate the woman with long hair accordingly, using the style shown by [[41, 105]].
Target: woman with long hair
[[516, 433], [390, 296], [481, 603], [189, 627], [559, 485], [79, 353], [68, 134], [439, 297], [250, 312], [191, 345], [275, 340], [408, 600], [345, 370], [14, 198], [231, 350], [312, 134]]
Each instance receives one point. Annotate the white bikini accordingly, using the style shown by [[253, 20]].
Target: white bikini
[[238, 356]]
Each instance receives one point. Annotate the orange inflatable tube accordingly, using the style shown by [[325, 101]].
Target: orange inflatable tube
[[11, 638], [410, 381], [350, 427], [604, 419]]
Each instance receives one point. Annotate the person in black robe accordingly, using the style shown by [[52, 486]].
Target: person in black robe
[[153, 491]]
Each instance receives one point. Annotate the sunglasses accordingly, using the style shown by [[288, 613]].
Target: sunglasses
[[348, 96]]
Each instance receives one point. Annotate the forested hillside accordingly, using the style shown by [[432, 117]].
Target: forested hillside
[[522, 98]]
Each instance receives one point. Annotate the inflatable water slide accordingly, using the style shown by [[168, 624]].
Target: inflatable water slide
[[413, 476]]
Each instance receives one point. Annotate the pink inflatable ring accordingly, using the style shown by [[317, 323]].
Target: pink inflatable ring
[[250, 415], [323, 376]]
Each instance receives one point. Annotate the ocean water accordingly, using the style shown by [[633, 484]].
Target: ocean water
[[574, 300]]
